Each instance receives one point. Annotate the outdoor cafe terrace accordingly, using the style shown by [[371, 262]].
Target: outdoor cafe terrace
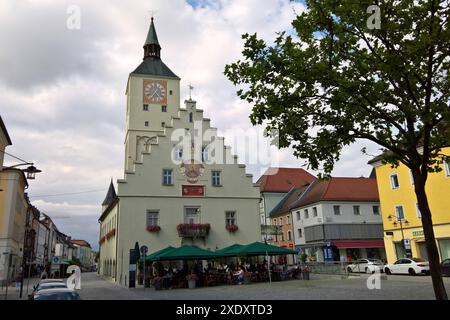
[[236, 264]]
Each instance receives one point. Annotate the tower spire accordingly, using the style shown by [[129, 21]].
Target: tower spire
[[152, 49]]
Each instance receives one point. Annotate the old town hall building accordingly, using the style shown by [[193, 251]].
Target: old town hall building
[[181, 183]]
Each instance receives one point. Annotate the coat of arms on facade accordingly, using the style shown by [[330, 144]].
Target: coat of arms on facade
[[191, 168]]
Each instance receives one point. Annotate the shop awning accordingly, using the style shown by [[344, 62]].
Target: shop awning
[[359, 244]]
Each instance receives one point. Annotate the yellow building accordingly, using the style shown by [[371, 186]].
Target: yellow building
[[400, 211]]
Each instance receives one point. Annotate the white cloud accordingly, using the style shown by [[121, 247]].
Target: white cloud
[[63, 90]]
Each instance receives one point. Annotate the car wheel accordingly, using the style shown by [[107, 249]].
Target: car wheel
[[411, 272], [368, 271], [387, 271], [349, 270]]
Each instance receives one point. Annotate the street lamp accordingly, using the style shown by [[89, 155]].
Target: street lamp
[[31, 170], [401, 221]]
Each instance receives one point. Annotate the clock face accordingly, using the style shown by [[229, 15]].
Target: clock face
[[155, 92]]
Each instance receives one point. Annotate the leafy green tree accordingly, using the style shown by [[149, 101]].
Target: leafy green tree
[[346, 75]]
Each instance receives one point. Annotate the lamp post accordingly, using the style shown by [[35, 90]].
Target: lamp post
[[400, 221]]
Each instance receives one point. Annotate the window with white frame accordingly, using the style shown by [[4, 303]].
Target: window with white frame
[[288, 220], [167, 177], [205, 154], [152, 218], [399, 213], [281, 220], [337, 210], [230, 218], [289, 236], [306, 214], [216, 178], [300, 233], [298, 215], [419, 214], [145, 108], [314, 212], [192, 215], [178, 153], [356, 210], [394, 181]]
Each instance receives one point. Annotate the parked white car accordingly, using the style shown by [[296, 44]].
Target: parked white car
[[366, 266], [408, 266]]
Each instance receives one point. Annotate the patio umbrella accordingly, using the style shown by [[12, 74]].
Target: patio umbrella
[[186, 253], [155, 255], [228, 251], [260, 249]]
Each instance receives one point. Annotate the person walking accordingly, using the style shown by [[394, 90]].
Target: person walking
[[18, 280], [44, 274]]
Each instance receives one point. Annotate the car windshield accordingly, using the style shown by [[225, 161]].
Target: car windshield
[[418, 260], [58, 296], [51, 286], [376, 261]]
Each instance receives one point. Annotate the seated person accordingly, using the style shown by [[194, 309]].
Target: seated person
[[239, 275]]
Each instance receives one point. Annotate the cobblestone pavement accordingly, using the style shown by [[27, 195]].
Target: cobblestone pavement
[[320, 287]]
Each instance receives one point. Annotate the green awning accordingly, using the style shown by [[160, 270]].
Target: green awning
[[229, 251], [186, 253], [154, 256], [261, 249]]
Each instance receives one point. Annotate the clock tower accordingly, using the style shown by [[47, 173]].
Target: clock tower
[[153, 98]]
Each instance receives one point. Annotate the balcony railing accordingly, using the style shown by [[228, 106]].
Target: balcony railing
[[193, 230]]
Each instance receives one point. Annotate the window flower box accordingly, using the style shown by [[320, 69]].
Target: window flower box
[[153, 228], [232, 228], [110, 234], [193, 230], [102, 239]]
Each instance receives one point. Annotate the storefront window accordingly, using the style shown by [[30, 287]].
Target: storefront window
[[444, 248]]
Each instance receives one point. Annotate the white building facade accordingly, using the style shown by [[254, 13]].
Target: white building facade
[[182, 185], [339, 220]]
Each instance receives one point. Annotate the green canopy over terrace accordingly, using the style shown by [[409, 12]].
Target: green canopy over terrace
[[185, 253], [259, 249], [154, 256], [228, 251]]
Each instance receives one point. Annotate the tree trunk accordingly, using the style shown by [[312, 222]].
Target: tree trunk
[[428, 231]]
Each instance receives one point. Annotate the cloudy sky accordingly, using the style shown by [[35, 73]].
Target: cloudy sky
[[63, 90]]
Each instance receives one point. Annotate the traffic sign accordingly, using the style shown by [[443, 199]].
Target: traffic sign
[[144, 250], [56, 260]]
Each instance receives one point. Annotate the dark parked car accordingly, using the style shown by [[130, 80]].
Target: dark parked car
[[445, 267], [57, 294]]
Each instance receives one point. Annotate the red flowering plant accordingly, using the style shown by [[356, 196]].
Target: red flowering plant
[[110, 234], [191, 276], [232, 228], [306, 269], [153, 228], [193, 229]]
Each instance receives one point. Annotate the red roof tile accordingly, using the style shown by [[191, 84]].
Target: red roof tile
[[341, 189], [82, 243], [284, 179]]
